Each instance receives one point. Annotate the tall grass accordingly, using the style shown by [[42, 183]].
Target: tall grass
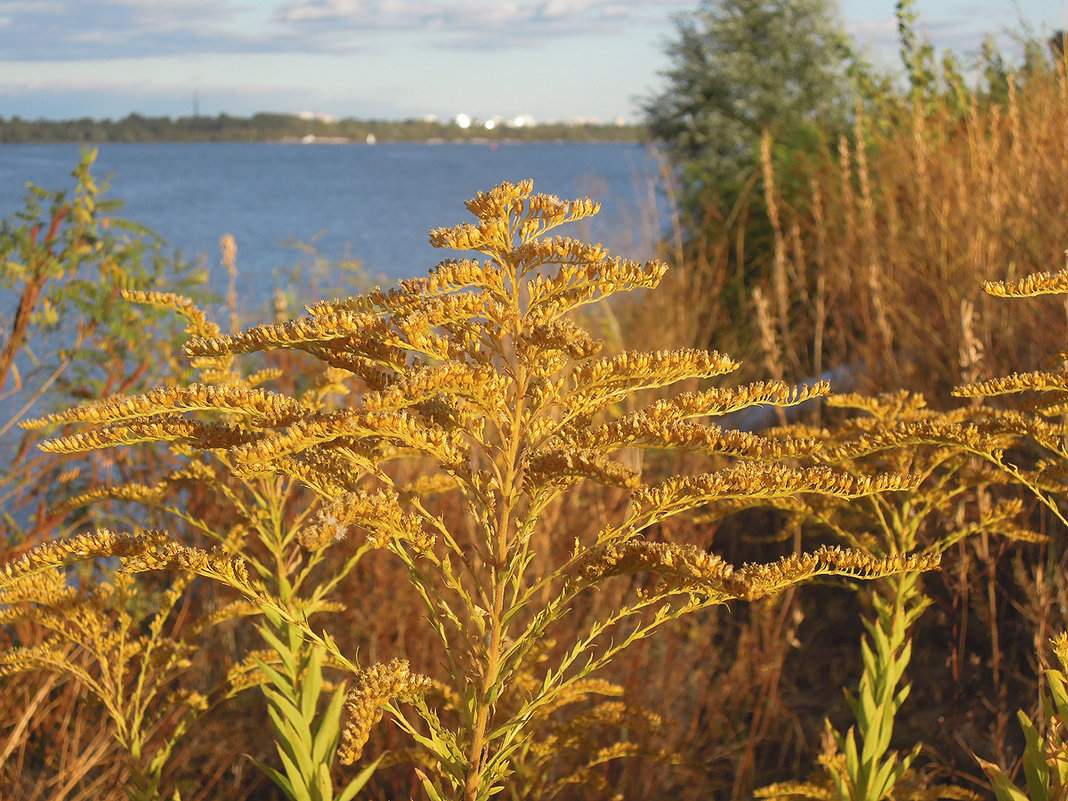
[[878, 266]]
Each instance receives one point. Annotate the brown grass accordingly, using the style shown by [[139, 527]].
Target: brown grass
[[880, 265]]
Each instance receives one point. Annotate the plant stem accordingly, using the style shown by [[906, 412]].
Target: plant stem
[[512, 453]]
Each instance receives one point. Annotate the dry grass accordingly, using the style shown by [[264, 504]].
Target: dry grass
[[880, 266]]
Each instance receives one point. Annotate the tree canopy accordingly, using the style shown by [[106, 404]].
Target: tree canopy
[[742, 67]]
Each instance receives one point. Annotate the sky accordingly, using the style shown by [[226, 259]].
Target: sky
[[395, 59]]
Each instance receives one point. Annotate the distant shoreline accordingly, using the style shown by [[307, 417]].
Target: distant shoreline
[[295, 129]]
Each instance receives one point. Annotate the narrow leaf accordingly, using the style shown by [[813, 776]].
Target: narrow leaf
[[359, 781]]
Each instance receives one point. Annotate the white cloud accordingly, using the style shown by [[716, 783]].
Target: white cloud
[[560, 8], [303, 10], [69, 30], [537, 17], [64, 30], [42, 31]]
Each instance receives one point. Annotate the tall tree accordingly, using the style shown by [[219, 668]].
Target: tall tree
[[740, 67]]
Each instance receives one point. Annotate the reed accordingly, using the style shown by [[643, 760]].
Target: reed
[[876, 266]]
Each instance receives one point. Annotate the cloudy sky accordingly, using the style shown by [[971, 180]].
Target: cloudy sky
[[391, 59]]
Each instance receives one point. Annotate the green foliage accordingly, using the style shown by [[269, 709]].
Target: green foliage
[[741, 68], [66, 257], [917, 54], [64, 261], [755, 88], [868, 772], [306, 738]]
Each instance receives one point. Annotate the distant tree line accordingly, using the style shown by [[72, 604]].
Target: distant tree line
[[289, 127]]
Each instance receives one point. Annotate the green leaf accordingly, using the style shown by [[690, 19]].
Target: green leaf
[[882, 646], [440, 750], [897, 666], [849, 741], [280, 648], [293, 747], [884, 779], [902, 696], [280, 681], [1059, 690], [879, 736], [299, 782], [285, 706], [312, 686], [279, 779], [359, 781], [329, 729], [854, 703], [324, 788], [1004, 790], [869, 660], [1035, 767], [428, 786], [867, 712]]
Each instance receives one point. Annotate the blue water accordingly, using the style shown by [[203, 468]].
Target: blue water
[[374, 204]]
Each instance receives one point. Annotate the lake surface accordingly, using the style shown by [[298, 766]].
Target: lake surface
[[374, 204]]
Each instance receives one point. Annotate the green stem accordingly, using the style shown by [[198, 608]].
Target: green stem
[[512, 452]]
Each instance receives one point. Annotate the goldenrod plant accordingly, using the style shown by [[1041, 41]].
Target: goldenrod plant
[[1041, 421], [257, 519], [951, 502], [112, 639], [121, 657], [954, 501], [1039, 428], [966, 457], [480, 375]]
